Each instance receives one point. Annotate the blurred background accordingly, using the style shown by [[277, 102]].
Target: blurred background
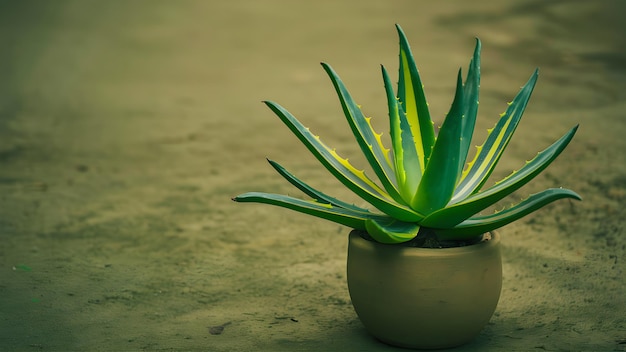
[[126, 126]]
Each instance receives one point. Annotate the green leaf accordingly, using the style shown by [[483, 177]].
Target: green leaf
[[312, 192], [488, 154], [354, 179], [477, 225], [455, 214], [406, 158], [471, 90], [442, 171], [339, 215], [413, 99], [391, 231], [369, 141]]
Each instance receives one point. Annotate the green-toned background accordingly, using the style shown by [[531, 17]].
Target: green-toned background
[[126, 126]]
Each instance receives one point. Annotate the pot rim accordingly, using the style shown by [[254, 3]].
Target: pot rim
[[356, 239]]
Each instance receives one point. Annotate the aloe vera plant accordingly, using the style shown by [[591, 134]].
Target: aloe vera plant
[[426, 183]]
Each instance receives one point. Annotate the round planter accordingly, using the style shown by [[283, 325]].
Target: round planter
[[424, 298]]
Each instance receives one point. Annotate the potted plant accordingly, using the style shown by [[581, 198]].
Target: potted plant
[[424, 267]]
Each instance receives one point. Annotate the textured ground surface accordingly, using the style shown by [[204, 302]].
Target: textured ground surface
[[126, 126]]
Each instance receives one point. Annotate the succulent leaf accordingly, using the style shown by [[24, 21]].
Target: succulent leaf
[[491, 150], [477, 225], [454, 214], [471, 90], [406, 157], [326, 211], [312, 192], [442, 171], [369, 141], [354, 179], [391, 231], [413, 100]]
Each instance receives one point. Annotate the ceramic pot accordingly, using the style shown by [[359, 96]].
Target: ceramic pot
[[424, 298]]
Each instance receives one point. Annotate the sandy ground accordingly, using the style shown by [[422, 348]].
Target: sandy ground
[[126, 126]]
